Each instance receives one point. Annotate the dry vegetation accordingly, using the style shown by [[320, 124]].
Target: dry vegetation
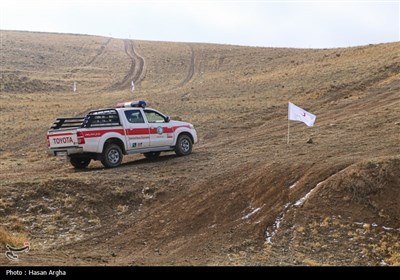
[[233, 201], [13, 239]]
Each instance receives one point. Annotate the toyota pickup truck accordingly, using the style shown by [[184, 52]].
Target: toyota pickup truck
[[108, 134]]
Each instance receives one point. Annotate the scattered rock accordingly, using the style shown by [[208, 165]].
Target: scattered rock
[[310, 141], [366, 226]]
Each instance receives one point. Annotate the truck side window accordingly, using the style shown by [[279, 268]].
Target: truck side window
[[134, 116], [154, 117]]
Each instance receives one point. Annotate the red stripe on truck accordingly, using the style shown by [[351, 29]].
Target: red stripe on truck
[[99, 133], [137, 131], [128, 131]]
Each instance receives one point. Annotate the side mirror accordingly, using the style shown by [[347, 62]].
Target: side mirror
[[168, 119]]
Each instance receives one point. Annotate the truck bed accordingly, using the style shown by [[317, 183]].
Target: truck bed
[[99, 118]]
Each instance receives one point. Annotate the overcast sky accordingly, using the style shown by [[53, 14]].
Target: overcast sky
[[304, 24]]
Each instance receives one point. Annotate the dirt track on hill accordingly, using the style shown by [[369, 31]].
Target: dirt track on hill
[[99, 52], [243, 197], [191, 67], [137, 71]]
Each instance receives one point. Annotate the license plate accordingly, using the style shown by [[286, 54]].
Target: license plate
[[61, 154]]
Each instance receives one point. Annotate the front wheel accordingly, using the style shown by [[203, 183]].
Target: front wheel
[[183, 145], [112, 156], [79, 162]]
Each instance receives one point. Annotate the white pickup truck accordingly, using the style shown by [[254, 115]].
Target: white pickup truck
[[108, 134]]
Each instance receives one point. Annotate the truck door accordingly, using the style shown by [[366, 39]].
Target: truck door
[[137, 130], [161, 131]]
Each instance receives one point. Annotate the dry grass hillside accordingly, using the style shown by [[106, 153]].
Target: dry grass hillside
[[244, 197]]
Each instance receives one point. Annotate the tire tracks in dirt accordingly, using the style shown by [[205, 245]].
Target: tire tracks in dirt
[[137, 70], [99, 52], [191, 69], [197, 59], [141, 69], [195, 63], [189, 75]]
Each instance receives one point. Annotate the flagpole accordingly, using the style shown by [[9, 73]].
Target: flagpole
[[288, 126]]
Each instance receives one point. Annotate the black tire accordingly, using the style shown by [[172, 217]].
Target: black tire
[[111, 156], [79, 162], [152, 155], [184, 145]]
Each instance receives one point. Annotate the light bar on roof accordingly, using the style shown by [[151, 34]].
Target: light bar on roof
[[139, 103]]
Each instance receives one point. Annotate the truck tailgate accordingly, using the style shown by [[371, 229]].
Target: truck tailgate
[[62, 139]]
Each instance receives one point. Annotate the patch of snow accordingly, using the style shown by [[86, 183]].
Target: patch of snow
[[321, 183], [304, 198], [387, 228], [375, 225], [251, 213], [275, 226], [278, 221], [271, 231]]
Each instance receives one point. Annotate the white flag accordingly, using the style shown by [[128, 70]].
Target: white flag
[[298, 114]]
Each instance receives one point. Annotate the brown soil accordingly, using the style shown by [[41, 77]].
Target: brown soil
[[244, 197]]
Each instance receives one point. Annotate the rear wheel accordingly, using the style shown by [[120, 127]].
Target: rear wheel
[[112, 156], [183, 145], [152, 155], [79, 162]]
